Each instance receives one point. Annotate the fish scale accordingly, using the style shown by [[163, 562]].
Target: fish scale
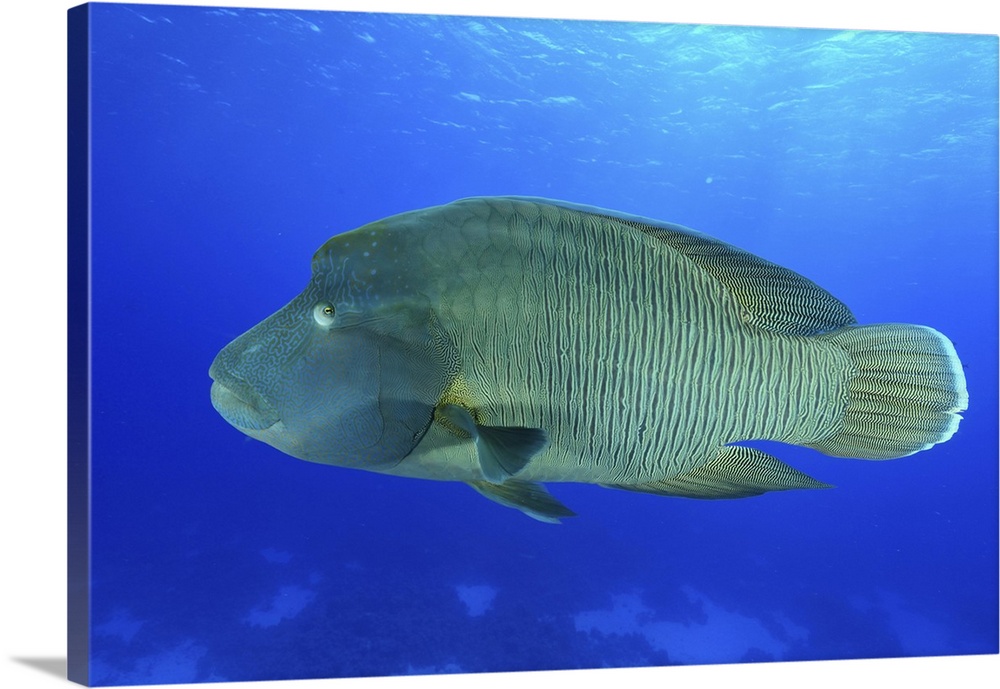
[[613, 364]]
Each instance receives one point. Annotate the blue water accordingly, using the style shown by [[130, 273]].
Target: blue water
[[229, 144]]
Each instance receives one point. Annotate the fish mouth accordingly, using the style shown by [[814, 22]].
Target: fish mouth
[[240, 405]]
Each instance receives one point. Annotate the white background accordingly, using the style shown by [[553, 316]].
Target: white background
[[32, 335]]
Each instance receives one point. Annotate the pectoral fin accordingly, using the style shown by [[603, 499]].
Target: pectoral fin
[[735, 472], [531, 498], [503, 450]]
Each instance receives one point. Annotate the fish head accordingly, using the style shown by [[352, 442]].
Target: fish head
[[347, 373]]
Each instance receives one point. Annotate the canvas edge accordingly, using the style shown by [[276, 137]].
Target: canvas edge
[[78, 343]]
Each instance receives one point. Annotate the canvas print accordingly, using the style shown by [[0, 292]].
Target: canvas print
[[408, 344]]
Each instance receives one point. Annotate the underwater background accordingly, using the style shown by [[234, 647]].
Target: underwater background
[[229, 144]]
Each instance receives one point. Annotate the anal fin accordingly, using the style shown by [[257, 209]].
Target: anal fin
[[531, 498], [735, 472]]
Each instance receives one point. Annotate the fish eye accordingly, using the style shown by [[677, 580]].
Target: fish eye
[[323, 314]]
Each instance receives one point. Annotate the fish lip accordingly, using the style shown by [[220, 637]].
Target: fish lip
[[240, 405]]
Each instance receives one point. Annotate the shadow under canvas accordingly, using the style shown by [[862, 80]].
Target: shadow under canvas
[[50, 666]]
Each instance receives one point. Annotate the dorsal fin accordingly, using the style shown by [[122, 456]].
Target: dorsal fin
[[772, 297]]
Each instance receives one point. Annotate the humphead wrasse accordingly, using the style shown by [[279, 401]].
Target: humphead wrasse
[[509, 342]]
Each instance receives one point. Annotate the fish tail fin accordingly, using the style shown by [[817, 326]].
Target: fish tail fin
[[905, 395]]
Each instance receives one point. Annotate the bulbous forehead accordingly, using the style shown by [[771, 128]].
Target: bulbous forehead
[[366, 266]]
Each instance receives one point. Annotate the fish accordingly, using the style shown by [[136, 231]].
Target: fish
[[511, 342]]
